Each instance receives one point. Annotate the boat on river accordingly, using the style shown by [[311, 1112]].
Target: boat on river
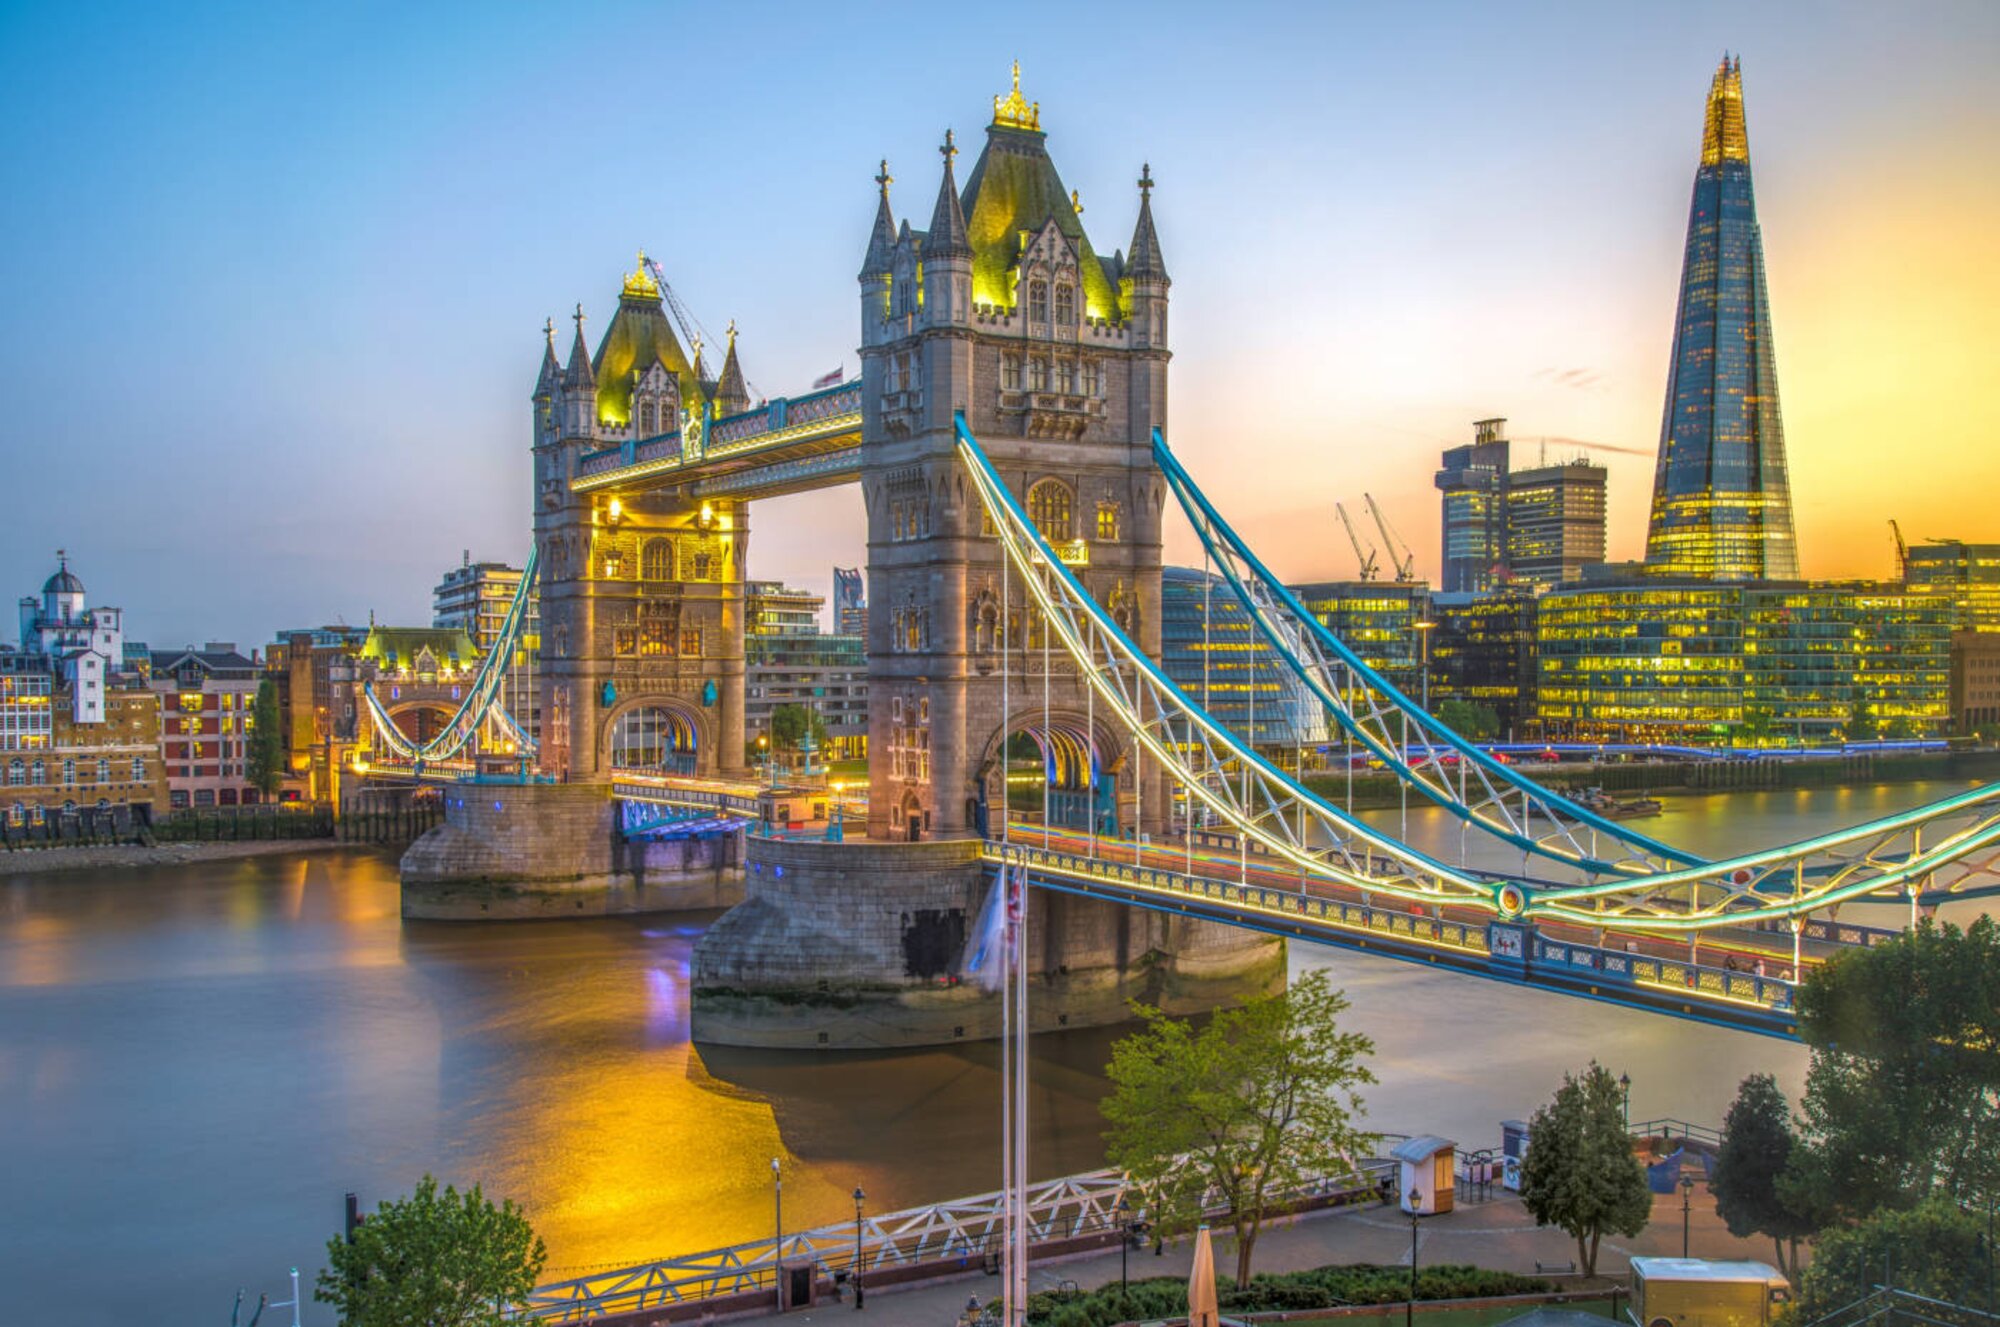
[[1602, 803]]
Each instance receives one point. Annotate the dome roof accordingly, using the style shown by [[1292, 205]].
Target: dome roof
[[63, 582]]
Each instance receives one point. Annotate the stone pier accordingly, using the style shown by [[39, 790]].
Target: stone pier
[[857, 945], [510, 852]]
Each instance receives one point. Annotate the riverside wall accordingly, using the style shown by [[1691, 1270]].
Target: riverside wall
[[537, 851], [859, 945]]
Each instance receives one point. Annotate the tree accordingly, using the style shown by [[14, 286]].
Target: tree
[[433, 1260], [1861, 724], [1580, 1173], [1257, 1103], [1936, 1249], [1757, 726], [791, 723], [265, 766], [1900, 1094], [1756, 1147], [1469, 718]]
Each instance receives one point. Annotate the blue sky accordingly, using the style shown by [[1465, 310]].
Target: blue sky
[[276, 273]]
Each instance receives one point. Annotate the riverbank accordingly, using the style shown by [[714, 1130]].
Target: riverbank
[[105, 856]]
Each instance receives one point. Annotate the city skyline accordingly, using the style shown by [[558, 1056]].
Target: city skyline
[[1515, 258]]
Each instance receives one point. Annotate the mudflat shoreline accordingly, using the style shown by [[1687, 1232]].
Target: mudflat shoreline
[[98, 857]]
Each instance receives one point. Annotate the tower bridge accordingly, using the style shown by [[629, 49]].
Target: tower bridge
[[1008, 435]]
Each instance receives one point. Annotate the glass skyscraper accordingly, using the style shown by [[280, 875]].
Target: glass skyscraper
[[1722, 506]]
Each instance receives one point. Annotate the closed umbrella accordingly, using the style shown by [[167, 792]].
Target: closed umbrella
[[1202, 1310]]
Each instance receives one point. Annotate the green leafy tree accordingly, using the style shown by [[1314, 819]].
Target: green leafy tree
[[1470, 718], [1936, 1248], [1900, 1094], [1756, 1148], [1258, 1102], [791, 723], [433, 1259], [1580, 1173], [266, 757], [1757, 726], [1861, 725]]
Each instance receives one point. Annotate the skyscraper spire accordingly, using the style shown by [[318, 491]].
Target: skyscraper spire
[[947, 236], [1722, 502]]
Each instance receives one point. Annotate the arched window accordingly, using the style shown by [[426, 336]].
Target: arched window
[[18, 813], [1065, 304], [649, 419], [1107, 520], [653, 737], [1051, 508], [656, 560], [1038, 301], [701, 563], [17, 772], [38, 774]]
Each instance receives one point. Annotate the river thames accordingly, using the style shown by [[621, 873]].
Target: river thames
[[196, 1062]]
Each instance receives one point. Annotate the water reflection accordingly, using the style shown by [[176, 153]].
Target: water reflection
[[195, 1063]]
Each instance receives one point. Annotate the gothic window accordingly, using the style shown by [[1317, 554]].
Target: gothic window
[[892, 375], [1093, 378], [1051, 508], [1010, 373], [1107, 520], [1066, 376], [614, 565], [648, 419], [624, 641], [701, 563], [656, 560], [913, 634], [1038, 301], [656, 629], [691, 643], [1038, 374], [38, 774], [1065, 304]]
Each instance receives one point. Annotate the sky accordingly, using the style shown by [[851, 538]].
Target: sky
[[275, 275]]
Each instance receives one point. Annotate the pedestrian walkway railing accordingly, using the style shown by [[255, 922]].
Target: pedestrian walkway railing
[[1670, 1129], [966, 1231], [1886, 1306]]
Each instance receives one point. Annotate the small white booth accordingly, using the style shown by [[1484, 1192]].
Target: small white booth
[[1426, 1167]]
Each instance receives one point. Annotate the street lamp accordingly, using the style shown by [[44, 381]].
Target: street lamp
[[1625, 1088], [854, 1274], [1424, 627], [778, 1244], [1687, 1197], [1124, 1250], [1410, 1306]]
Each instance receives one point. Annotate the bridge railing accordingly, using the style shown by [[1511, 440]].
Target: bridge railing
[[964, 1231]]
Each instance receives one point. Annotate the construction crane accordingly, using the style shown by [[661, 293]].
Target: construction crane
[[1364, 558], [1406, 564], [1902, 551]]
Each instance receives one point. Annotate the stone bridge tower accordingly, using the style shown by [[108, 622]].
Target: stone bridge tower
[[641, 664], [1057, 355]]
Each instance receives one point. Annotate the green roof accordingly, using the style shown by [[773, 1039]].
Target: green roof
[[639, 337], [396, 648], [1014, 188]]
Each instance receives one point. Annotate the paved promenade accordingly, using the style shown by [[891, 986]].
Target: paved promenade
[[1498, 1234]]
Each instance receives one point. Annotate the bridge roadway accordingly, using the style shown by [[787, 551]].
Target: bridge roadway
[[1655, 974]]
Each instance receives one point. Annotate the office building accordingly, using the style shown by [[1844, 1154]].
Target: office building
[[1482, 651], [1503, 526], [788, 660], [1379, 622], [1967, 575], [850, 601], [207, 696], [1722, 502], [1211, 650]]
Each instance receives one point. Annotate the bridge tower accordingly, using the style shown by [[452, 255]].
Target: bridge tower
[[641, 663], [1057, 355]]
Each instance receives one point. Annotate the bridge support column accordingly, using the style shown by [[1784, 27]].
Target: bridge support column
[[859, 945]]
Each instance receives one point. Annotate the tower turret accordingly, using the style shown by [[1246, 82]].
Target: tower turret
[[732, 394], [579, 387], [1146, 274], [547, 383], [947, 251]]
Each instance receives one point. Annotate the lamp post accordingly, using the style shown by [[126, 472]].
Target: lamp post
[[1424, 627], [1410, 1305], [778, 1243], [854, 1273], [1625, 1089], [1124, 1249], [1687, 1206]]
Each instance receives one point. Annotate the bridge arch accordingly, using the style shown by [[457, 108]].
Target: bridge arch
[[655, 735], [421, 720], [1059, 758]]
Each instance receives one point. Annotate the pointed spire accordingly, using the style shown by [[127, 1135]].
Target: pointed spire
[[882, 239], [947, 236], [732, 394], [551, 373], [1723, 137], [1145, 259], [580, 373]]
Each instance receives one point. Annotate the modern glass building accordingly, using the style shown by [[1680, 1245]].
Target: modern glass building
[[1966, 575], [1211, 650], [1483, 651], [1472, 482], [1722, 505], [1378, 622], [1505, 526]]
